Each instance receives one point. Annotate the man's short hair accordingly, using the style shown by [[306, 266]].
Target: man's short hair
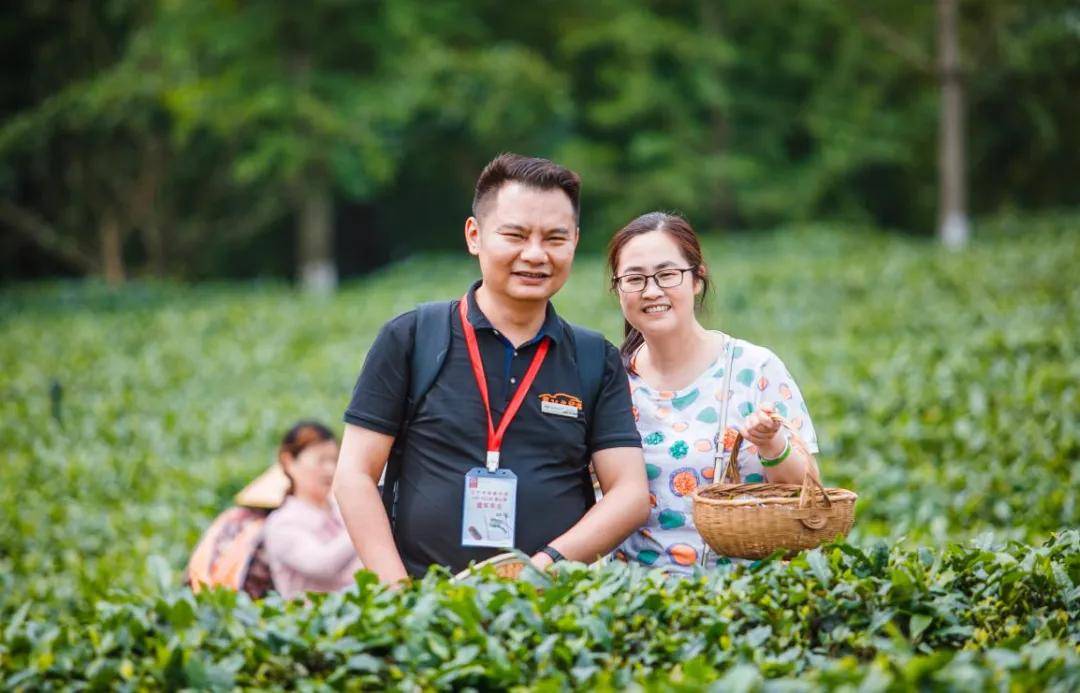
[[529, 171]]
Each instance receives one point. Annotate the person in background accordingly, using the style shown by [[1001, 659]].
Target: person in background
[[678, 370], [306, 544]]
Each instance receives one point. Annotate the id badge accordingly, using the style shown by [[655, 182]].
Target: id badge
[[490, 508]]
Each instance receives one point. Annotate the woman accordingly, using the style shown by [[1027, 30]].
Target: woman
[[307, 546], [677, 372]]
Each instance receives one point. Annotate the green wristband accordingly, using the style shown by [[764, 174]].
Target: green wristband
[[766, 462]]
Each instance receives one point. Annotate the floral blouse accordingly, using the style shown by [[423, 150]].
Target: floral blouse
[[679, 434]]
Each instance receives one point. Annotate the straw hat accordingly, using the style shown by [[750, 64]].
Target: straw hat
[[267, 490]]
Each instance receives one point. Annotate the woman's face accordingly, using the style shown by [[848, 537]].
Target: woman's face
[[656, 311], [312, 471]]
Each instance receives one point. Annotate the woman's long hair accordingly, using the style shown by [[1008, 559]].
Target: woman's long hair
[[300, 436], [683, 234]]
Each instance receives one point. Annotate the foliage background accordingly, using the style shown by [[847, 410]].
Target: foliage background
[[943, 387], [186, 145], [189, 139]]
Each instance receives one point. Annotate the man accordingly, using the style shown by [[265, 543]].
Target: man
[[477, 477]]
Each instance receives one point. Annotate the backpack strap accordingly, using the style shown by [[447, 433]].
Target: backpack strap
[[590, 351], [430, 345], [431, 341]]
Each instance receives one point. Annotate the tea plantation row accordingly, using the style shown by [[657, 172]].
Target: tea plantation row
[[943, 387], [965, 617]]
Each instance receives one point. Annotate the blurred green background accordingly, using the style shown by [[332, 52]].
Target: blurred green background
[[171, 170], [227, 138], [943, 387]]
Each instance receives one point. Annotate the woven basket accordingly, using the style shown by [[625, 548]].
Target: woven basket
[[754, 520], [507, 566]]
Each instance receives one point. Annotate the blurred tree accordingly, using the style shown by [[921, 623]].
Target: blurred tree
[[651, 128], [91, 167], [738, 115], [1022, 103], [492, 84], [305, 94], [952, 163], [83, 163], [188, 138], [324, 99]]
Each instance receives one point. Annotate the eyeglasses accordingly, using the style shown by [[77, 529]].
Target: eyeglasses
[[636, 283]]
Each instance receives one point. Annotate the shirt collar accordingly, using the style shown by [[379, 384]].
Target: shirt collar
[[551, 327]]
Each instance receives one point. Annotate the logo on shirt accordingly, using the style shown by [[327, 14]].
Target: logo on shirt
[[561, 404]]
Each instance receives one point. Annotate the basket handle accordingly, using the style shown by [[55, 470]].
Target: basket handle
[[813, 517], [731, 471], [730, 345]]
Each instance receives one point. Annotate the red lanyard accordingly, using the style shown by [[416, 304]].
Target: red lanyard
[[495, 436]]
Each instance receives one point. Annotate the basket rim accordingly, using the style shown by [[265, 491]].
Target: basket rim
[[836, 495], [496, 561]]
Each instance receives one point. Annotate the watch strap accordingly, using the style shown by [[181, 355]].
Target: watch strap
[[553, 553]]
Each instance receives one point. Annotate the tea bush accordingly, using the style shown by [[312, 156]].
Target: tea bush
[[943, 386], [963, 617]]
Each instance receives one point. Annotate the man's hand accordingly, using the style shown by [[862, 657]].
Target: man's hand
[[541, 561], [762, 428]]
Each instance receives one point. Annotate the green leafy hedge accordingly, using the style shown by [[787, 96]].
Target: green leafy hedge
[[966, 616]]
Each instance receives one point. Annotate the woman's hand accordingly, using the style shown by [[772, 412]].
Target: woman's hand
[[762, 428]]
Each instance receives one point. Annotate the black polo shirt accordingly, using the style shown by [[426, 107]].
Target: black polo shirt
[[448, 435]]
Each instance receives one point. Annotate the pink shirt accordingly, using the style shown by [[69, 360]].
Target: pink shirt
[[308, 549]]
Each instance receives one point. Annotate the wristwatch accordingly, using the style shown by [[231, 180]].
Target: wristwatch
[[553, 553]]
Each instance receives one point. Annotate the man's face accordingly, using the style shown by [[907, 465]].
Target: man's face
[[525, 241]]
